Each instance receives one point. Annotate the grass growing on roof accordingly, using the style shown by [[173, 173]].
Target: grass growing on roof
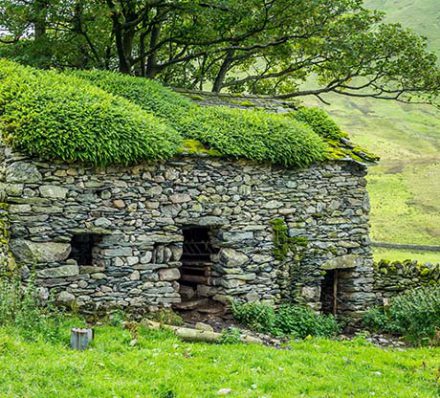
[[107, 118], [320, 122], [255, 135], [54, 116], [150, 95]]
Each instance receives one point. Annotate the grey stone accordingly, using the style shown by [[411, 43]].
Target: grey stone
[[53, 191], [342, 262], [273, 204], [232, 258], [204, 326], [23, 172], [169, 274], [103, 222], [180, 198], [36, 252], [237, 236], [65, 298], [59, 272]]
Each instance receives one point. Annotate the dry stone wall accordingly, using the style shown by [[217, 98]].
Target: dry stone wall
[[135, 216], [394, 278]]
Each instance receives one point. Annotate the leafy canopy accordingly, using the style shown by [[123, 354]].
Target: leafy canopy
[[253, 46]]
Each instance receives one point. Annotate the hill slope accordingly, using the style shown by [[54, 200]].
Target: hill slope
[[405, 186]]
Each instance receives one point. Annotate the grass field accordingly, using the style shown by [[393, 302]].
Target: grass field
[[161, 366], [405, 185]]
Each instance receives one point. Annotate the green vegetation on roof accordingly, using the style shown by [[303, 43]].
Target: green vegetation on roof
[[107, 118], [54, 116], [150, 95], [320, 122], [255, 135]]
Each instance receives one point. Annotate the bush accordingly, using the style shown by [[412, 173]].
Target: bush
[[287, 320], [54, 116], [257, 316], [320, 122], [301, 322], [255, 135], [377, 321], [148, 94], [414, 315], [230, 336]]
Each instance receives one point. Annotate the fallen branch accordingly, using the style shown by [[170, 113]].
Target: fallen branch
[[189, 334]]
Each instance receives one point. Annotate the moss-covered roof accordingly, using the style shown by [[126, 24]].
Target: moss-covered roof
[[108, 118]]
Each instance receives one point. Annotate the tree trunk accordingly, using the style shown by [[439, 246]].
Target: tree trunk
[[151, 68], [40, 18], [221, 75]]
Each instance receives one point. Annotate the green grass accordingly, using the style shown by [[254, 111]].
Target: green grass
[[164, 367], [421, 15], [402, 255]]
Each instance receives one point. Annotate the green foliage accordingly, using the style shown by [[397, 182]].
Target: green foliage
[[230, 336], [320, 122], [242, 46], [283, 243], [55, 116], [255, 135], [150, 95], [287, 320], [414, 314], [301, 322], [377, 321], [20, 308], [257, 316]]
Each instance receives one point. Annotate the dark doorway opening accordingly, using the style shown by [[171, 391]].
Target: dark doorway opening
[[83, 248], [329, 292], [196, 269]]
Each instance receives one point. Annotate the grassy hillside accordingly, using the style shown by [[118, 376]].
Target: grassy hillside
[[421, 15], [405, 185]]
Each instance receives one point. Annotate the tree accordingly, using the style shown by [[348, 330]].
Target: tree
[[254, 46]]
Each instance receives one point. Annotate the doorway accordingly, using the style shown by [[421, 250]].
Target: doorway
[[329, 292], [196, 270]]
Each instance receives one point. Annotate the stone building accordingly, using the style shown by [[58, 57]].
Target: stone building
[[194, 227]]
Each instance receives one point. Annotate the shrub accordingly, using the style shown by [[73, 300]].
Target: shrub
[[320, 122], [150, 95], [107, 118], [257, 316], [377, 321], [255, 135], [287, 320], [416, 314], [54, 116], [302, 322]]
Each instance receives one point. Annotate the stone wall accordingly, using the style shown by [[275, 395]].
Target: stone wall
[[393, 278], [137, 214]]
